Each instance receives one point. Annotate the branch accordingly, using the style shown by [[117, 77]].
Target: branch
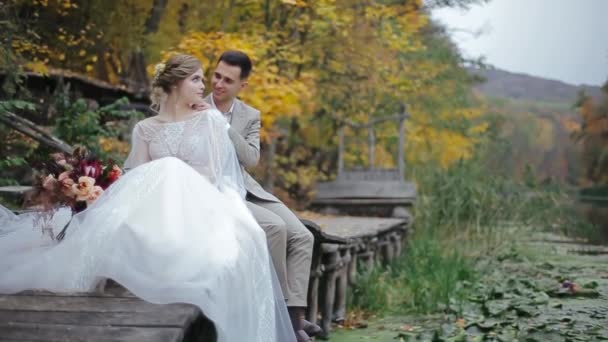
[[348, 122], [31, 130]]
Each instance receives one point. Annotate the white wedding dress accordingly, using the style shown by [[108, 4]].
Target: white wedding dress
[[174, 228]]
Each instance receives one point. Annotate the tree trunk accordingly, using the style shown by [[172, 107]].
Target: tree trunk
[[137, 76], [183, 18], [156, 14], [228, 15]]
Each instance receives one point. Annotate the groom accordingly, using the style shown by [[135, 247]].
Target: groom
[[289, 241]]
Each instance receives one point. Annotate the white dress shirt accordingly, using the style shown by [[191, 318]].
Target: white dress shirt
[[228, 114]]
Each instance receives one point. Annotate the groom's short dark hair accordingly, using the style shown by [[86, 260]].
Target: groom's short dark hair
[[237, 58]]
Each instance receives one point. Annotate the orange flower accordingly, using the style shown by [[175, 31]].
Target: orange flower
[[50, 183], [66, 187], [94, 195], [63, 176], [66, 183], [83, 188]]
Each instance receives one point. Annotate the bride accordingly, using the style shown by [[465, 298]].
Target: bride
[[174, 228]]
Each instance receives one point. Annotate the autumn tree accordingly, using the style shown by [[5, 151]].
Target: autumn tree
[[593, 137], [317, 64]]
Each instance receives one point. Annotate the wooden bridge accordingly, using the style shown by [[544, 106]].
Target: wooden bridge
[[342, 243], [115, 315], [366, 221]]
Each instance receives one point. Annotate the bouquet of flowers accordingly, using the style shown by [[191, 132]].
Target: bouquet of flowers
[[75, 181]]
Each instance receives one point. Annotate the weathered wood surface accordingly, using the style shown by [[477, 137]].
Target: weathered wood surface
[[349, 227], [340, 189], [341, 243], [30, 129], [114, 316], [358, 202], [63, 332], [15, 189], [322, 236], [370, 175]]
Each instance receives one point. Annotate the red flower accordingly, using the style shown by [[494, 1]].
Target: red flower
[[115, 173], [91, 168]]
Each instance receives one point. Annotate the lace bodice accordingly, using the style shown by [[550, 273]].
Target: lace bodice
[[201, 141]]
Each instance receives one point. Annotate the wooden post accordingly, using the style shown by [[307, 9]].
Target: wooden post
[[398, 240], [271, 153], [401, 157], [331, 260], [339, 315], [372, 147], [313, 291], [352, 266], [341, 152]]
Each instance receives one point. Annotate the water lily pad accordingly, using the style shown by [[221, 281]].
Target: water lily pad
[[591, 285], [507, 335], [541, 336], [541, 298], [497, 307], [488, 324], [546, 266], [526, 310]]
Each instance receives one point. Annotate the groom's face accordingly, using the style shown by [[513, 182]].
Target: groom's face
[[227, 82]]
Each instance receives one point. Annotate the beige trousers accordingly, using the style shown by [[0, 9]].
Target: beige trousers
[[290, 244]]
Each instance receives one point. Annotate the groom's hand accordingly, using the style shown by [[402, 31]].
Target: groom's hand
[[200, 106]]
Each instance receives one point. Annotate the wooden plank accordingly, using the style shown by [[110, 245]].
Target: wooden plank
[[355, 227], [366, 189], [364, 201], [165, 318], [65, 332], [373, 175], [91, 304], [16, 189], [112, 289], [321, 236]]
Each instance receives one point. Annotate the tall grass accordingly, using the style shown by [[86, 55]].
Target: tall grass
[[461, 215], [423, 281]]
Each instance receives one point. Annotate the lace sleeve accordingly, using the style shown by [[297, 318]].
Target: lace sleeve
[[224, 162], [139, 149]]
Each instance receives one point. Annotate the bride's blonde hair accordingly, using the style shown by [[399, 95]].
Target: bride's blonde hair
[[169, 73]]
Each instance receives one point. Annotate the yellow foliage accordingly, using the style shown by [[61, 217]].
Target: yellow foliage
[[546, 134], [444, 147], [272, 92], [113, 145], [314, 62], [571, 126], [38, 67]]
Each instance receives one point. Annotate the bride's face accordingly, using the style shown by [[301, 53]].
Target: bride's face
[[190, 90]]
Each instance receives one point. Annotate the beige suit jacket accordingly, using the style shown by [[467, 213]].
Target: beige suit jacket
[[244, 132]]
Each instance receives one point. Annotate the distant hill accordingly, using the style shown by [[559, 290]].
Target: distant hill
[[537, 119], [505, 84]]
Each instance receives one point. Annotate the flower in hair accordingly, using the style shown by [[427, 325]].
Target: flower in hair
[[159, 68]]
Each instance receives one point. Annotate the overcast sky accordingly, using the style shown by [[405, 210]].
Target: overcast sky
[[565, 40]]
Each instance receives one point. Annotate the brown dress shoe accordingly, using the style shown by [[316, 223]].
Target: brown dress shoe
[[310, 328], [302, 336]]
